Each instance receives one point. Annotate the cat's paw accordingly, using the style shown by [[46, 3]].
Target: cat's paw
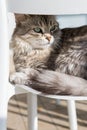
[[19, 78], [29, 71]]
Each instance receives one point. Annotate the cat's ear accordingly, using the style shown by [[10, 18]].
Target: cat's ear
[[20, 18], [21, 24]]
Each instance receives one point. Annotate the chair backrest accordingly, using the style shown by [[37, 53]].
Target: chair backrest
[[48, 7], [4, 49]]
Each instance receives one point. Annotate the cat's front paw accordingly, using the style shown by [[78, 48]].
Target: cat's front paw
[[19, 78]]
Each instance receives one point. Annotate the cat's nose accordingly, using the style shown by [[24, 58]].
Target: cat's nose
[[48, 36]]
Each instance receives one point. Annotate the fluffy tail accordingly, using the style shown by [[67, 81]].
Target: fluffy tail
[[50, 82]]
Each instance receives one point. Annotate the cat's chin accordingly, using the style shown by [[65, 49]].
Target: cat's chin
[[43, 46], [48, 46]]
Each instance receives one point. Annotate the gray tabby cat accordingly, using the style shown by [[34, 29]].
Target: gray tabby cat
[[31, 44], [41, 51]]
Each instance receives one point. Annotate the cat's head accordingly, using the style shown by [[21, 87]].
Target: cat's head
[[40, 31]]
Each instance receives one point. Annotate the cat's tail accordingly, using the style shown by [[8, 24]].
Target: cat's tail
[[50, 82]]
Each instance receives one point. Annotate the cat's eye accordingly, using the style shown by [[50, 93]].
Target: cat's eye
[[37, 30], [53, 28]]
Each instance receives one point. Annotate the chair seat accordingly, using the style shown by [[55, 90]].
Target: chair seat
[[25, 89]]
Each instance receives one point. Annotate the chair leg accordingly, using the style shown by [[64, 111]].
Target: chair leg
[[3, 115], [72, 115], [32, 111], [58, 101]]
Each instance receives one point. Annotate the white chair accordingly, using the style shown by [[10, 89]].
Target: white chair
[[6, 89]]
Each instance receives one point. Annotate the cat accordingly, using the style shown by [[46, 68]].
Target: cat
[[32, 45], [42, 53]]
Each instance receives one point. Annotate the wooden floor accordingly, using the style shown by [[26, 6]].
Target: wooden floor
[[51, 115]]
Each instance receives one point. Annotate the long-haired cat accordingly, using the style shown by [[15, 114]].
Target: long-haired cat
[[32, 41], [42, 54]]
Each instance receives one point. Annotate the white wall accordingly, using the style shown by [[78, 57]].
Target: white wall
[[72, 20]]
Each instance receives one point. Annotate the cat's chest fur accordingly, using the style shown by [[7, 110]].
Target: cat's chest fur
[[25, 56]]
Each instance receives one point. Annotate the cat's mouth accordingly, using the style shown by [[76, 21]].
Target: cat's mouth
[[46, 44], [43, 45]]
